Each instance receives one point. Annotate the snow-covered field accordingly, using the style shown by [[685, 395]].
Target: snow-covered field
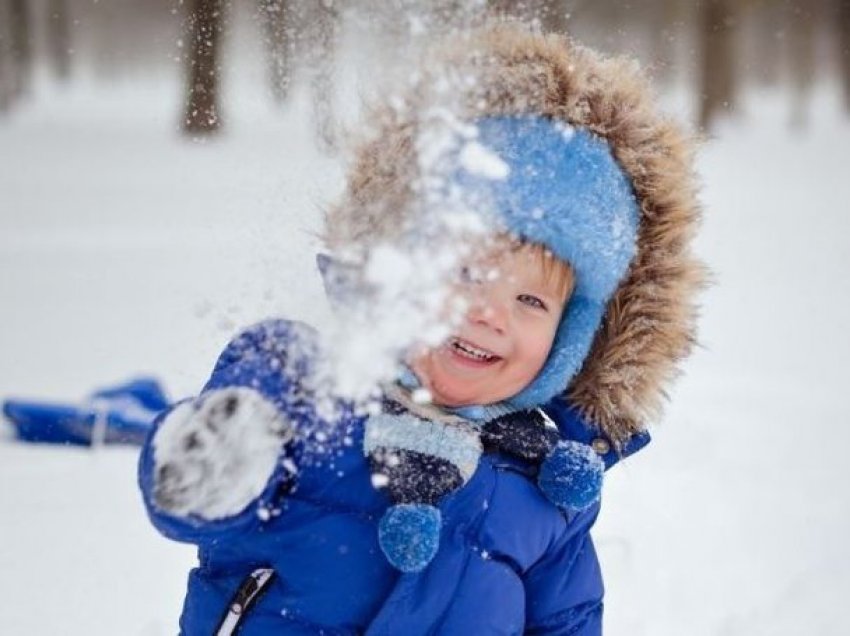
[[126, 249]]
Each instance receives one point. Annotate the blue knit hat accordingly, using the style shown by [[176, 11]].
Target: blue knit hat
[[564, 190]]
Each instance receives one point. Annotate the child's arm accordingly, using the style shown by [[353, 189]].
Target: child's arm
[[216, 465], [564, 589]]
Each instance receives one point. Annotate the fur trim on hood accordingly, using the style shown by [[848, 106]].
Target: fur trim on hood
[[649, 324]]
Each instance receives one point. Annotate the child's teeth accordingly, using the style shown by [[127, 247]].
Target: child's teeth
[[471, 351]]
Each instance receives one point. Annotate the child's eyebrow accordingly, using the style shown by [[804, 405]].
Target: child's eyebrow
[[552, 287]]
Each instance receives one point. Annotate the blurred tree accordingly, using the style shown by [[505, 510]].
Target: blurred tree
[[59, 38], [5, 61], [665, 17], [717, 55], [325, 22], [276, 16], [800, 18], [552, 15], [844, 47], [20, 47], [204, 25], [769, 31]]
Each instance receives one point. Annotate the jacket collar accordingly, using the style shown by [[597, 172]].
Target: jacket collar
[[573, 426]]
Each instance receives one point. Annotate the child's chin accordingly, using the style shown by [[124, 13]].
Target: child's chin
[[456, 397]]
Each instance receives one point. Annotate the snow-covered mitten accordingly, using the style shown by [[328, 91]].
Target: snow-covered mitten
[[216, 454], [570, 473], [418, 461], [213, 456]]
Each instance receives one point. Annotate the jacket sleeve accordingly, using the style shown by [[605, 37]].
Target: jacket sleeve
[[216, 465], [564, 589]]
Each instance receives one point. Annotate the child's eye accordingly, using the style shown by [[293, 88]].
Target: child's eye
[[531, 301], [468, 275]]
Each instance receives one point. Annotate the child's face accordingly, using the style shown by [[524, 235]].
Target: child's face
[[514, 307]]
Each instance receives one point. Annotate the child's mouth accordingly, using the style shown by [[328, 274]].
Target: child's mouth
[[467, 351]]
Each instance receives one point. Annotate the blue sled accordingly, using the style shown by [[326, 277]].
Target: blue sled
[[121, 414]]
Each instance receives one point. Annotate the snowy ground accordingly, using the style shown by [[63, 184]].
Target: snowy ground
[[125, 249]]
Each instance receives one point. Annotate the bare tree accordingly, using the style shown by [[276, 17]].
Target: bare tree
[[553, 16], [20, 47], [205, 23], [326, 24], [717, 27], [800, 20], [843, 24], [59, 38], [769, 32], [276, 16], [666, 18], [5, 60]]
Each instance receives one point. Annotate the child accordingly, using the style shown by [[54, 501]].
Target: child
[[469, 514]]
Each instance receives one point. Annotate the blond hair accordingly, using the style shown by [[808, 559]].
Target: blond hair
[[556, 271]]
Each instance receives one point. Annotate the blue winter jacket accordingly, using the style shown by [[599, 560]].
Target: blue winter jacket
[[509, 561]]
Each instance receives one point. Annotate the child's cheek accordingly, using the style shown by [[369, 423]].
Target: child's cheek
[[541, 346]]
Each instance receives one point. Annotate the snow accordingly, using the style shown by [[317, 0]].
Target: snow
[[406, 299], [125, 249], [479, 160], [213, 457]]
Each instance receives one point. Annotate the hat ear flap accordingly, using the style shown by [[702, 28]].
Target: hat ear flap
[[339, 279]]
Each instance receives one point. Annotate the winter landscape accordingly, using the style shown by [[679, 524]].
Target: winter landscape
[[127, 248]]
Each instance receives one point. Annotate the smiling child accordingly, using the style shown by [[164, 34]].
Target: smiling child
[[468, 513]]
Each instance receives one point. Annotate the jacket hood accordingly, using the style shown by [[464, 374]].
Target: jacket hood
[[504, 70]]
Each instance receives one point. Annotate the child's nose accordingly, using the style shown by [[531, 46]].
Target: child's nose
[[488, 311]]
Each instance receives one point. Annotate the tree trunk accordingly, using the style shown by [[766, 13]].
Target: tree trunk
[[553, 16], [324, 45], [5, 60], [717, 27], [59, 38], [844, 47], [666, 28], [276, 17], [204, 30], [800, 27], [769, 29], [20, 49]]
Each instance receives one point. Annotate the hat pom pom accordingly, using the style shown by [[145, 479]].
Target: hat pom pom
[[409, 535], [571, 476]]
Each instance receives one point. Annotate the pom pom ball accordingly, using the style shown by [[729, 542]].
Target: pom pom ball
[[409, 535], [571, 476]]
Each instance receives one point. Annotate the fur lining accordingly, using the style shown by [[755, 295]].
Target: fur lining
[[649, 324]]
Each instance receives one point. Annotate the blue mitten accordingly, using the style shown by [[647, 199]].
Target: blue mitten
[[216, 454]]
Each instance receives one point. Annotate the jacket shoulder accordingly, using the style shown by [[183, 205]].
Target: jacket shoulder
[[271, 337], [267, 353]]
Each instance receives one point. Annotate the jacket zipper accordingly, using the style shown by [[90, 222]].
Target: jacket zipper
[[243, 599]]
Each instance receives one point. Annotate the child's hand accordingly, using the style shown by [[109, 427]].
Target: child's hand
[[214, 455]]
